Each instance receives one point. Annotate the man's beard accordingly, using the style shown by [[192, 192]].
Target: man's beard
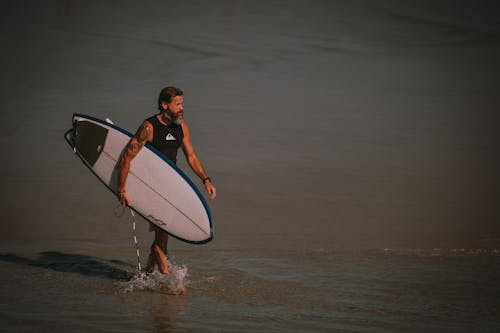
[[174, 118]]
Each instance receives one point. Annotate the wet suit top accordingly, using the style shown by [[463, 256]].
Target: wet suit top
[[166, 138]]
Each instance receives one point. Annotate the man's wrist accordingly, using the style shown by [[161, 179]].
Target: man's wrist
[[204, 180]]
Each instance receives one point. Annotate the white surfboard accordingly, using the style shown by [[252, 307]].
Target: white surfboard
[[159, 191]]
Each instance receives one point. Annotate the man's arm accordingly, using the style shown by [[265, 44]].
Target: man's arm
[[194, 162], [144, 134]]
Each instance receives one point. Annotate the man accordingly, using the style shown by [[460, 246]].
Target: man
[[167, 132]]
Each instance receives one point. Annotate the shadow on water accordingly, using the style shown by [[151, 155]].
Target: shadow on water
[[73, 263]]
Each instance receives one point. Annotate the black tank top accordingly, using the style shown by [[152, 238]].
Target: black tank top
[[166, 138]]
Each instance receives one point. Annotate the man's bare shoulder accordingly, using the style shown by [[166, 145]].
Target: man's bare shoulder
[[144, 132], [185, 127]]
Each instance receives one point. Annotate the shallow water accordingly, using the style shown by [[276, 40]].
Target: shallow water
[[259, 291], [353, 144]]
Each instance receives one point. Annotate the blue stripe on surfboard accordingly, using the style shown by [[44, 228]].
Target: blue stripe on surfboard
[[165, 159]]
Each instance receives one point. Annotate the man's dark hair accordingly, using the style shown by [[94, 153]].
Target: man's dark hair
[[166, 94]]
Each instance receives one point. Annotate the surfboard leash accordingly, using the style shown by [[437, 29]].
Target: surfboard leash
[[135, 241], [119, 210]]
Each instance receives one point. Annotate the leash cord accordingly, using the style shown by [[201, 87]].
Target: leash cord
[[135, 240], [119, 210]]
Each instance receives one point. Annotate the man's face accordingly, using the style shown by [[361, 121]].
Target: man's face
[[176, 106], [175, 109]]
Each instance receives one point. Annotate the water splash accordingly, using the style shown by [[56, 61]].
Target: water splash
[[173, 283]]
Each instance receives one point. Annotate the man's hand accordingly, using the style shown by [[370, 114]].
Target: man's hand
[[210, 189], [123, 198]]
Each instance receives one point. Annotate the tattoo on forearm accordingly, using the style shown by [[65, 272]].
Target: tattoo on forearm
[[133, 146]]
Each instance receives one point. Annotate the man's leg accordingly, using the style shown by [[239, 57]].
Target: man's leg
[[158, 253]]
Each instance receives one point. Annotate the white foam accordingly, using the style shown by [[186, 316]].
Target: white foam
[[175, 282]]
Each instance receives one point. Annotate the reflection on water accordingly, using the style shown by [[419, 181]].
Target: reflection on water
[[72, 263]]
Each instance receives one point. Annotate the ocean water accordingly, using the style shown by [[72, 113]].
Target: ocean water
[[354, 146], [256, 290]]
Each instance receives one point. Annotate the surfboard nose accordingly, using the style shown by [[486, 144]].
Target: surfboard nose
[[89, 140]]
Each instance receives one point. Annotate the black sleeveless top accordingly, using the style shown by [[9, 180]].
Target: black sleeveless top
[[166, 138]]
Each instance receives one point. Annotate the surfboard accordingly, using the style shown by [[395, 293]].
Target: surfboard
[[158, 190]]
